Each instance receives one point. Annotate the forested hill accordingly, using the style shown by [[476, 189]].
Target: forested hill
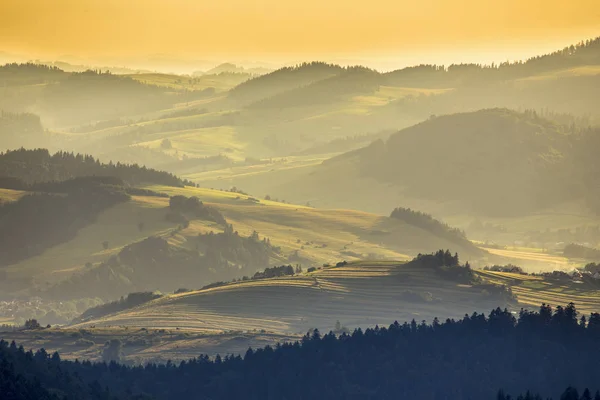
[[18, 129], [282, 80], [289, 79], [584, 53], [34, 166], [470, 358], [432, 225], [74, 98], [493, 161]]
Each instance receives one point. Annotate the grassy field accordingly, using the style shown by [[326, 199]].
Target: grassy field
[[8, 195], [306, 235]]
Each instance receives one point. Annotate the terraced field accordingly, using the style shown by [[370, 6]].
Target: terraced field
[[233, 317], [357, 294], [534, 290]]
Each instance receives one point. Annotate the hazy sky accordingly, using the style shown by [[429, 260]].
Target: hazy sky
[[279, 30]]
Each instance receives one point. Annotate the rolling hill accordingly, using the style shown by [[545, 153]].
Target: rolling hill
[[81, 266], [356, 294], [83, 229], [291, 111], [493, 162], [281, 80]]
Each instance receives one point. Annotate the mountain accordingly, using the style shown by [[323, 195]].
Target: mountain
[[39, 165], [282, 80], [233, 69], [493, 162], [351, 81]]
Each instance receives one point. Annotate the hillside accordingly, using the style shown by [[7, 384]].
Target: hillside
[[39, 165], [81, 267], [282, 80], [362, 293], [466, 357], [492, 162], [291, 111], [87, 230], [356, 294], [481, 159]]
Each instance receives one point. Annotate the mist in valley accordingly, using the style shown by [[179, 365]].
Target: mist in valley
[[223, 207]]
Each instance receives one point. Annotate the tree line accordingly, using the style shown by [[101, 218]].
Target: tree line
[[39, 165], [541, 351]]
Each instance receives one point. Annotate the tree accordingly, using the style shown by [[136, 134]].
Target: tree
[[112, 351], [570, 394], [166, 144], [32, 324], [338, 326]]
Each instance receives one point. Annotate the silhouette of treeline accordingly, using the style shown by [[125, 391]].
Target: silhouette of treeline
[[448, 267], [446, 264], [281, 80], [124, 303], [246, 254], [493, 161], [34, 166], [583, 53], [472, 357], [153, 264], [570, 393], [269, 272], [275, 272], [183, 207], [14, 74], [349, 81], [430, 224], [39, 221], [323, 83], [574, 250]]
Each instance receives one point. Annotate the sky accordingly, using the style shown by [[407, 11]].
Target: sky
[[384, 32]]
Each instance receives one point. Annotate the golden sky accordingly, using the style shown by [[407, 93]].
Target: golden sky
[[272, 28]]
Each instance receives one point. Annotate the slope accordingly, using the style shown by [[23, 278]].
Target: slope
[[281, 80], [363, 293], [476, 162], [92, 262]]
